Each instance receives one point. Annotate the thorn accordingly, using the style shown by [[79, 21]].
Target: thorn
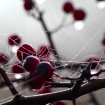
[[88, 66], [86, 70]]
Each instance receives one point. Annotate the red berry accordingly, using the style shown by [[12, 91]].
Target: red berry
[[58, 103], [28, 5], [44, 50], [67, 7], [17, 67], [103, 41], [30, 63], [14, 40], [3, 58], [79, 14], [24, 51], [35, 81], [100, 0], [95, 61], [44, 69]]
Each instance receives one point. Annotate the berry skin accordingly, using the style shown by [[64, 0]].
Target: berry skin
[[58, 103], [45, 69], [103, 41], [79, 14], [35, 81], [28, 5], [14, 40], [3, 58], [44, 50], [24, 51], [17, 67], [67, 7], [30, 63], [95, 62]]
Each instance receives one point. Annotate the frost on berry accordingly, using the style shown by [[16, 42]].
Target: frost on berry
[[79, 14], [45, 69], [30, 63], [67, 7], [14, 40], [24, 51], [17, 67], [28, 5]]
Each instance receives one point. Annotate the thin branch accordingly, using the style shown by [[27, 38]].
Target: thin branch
[[60, 25], [8, 82]]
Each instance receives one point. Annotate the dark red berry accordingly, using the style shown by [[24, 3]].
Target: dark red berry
[[95, 61], [44, 69], [30, 63], [3, 58], [67, 7], [103, 41], [79, 14], [35, 81], [24, 51], [28, 5], [44, 50], [100, 0], [17, 67], [14, 40], [58, 103]]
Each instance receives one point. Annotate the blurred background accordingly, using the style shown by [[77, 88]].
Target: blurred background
[[71, 43]]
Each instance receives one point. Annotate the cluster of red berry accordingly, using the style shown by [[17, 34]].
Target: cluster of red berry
[[37, 63], [39, 71], [78, 14]]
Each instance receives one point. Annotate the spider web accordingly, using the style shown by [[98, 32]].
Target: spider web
[[70, 53]]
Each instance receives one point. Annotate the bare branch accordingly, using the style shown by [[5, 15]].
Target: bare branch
[[92, 85]]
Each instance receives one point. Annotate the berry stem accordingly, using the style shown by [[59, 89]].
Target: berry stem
[[48, 33], [61, 25]]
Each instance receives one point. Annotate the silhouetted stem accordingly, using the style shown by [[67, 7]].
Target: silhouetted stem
[[89, 87], [8, 82], [48, 33]]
